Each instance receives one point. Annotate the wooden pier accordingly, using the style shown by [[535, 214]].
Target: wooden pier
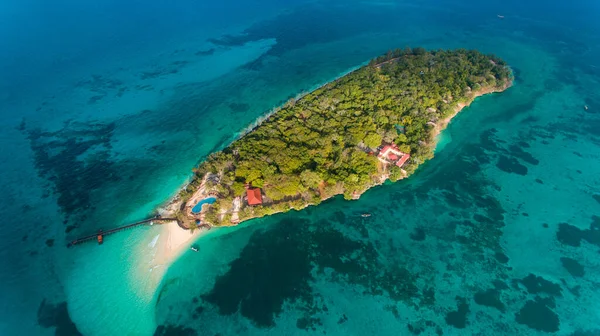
[[99, 237]]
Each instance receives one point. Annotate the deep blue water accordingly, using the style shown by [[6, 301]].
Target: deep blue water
[[106, 107]]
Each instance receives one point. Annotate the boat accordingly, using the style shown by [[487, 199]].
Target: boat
[[586, 107], [194, 248], [366, 215], [501, 16]]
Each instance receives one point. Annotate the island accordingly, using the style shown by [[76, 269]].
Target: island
[[376, 123]]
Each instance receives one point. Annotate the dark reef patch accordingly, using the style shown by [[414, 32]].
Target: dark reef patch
[[207, 52], [466, 189], [256, 65], [572, 236], [481, 218], [422, 326], [573, 267], [511, 165], [95, 99], [517, 151], [49, 242], [536, 314], [415, 330], [172, 330], [278, 266], [515, 110], [76, 159], [500, 285], [501, 257], [489, 298], [458, 318], [418, 234], [49, 315], [339, 216], [172, 68], [537, 284], [428, 297], [145, 87], [477, 236], [596, 197], [308, 323], [157, 73], [490, 141], [569, 235], [101, 86], [592, 126], [269, 279]]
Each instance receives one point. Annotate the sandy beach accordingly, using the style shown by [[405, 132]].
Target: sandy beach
[[172, 242], [160, 251]]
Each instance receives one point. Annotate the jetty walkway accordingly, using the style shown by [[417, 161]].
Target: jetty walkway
[[99, 237]]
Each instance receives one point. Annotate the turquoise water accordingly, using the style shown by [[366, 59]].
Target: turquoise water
[[106, 108], [198, 207]]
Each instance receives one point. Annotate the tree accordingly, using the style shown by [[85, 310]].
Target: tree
[[248, 174], [310, 179], [238, 188], [259, 183], [372, 140], [395, 173], [404, 148], [419, 51]]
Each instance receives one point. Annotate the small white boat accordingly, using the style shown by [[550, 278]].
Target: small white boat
[[194, 248], [586, 107], [366, 215], [501, 16]]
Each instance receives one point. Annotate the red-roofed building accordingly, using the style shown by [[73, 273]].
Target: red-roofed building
[[402, 160], [254, 196], [391, 154], [386, 149]]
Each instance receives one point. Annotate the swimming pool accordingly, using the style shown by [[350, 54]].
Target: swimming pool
[[198, 207]]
